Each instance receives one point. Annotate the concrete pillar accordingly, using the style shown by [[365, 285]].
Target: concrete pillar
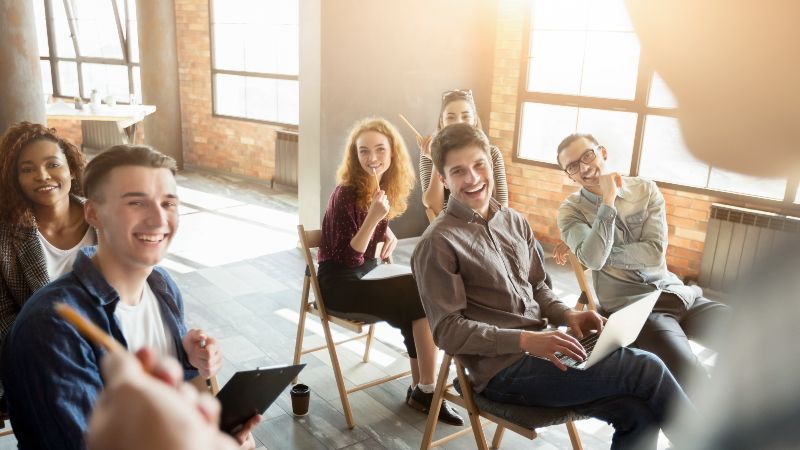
[[20, 78], [309, 186], [158, 55]]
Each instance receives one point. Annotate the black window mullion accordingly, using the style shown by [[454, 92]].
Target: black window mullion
[[131, 85], [122, 38], [74, 35], [643, 84], [52, 46]]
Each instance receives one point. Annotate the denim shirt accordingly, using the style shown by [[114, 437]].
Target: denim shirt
[[625, 248], [52, 373]]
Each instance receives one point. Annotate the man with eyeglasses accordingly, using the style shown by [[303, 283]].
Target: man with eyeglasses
[[617, 227]]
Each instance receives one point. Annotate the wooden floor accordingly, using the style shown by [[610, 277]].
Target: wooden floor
[[236, 263]]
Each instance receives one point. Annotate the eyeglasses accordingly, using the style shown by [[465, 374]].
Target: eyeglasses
[[588, 156], [463, 93]]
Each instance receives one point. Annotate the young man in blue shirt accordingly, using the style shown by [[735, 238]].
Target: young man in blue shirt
[[51, 372]]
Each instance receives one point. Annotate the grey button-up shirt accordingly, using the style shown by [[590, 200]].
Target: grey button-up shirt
[[481, 284], [625, 248]]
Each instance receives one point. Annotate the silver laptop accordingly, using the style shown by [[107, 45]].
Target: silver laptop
[[620, 330]]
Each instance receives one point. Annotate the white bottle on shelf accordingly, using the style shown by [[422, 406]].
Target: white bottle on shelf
[[94, 99]]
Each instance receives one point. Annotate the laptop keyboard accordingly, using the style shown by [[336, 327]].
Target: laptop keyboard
[[588, 343]]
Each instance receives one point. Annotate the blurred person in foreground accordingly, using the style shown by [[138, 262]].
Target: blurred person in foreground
[[734, 66], [146, 405]]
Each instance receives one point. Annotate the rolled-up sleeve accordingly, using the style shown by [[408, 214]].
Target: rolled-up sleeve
[[441, 288], [591, 244], [651, 248]]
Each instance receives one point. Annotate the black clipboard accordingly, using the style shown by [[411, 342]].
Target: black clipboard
[[251, 392]]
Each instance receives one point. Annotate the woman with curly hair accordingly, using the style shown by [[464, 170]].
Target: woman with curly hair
[[42, 226], [458, 106], [375, 179]]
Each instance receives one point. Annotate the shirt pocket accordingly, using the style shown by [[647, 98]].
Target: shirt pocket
[[635, 223]]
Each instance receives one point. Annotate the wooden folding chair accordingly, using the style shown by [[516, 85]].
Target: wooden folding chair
[[588, 298], [356, 323], [523, 420]]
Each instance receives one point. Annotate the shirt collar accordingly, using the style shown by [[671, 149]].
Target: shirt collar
[[464, 212], [93, 280], [597, 200]]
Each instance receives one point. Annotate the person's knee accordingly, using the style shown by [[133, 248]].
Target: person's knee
[[648, 364]]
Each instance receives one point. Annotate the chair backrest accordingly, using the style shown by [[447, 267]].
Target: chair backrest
[[584, 276], [309, 240]]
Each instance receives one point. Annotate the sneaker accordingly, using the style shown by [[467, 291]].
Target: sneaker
[[408, 394], [421, 401]]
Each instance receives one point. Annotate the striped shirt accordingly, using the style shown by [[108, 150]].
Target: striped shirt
[[500, 192]]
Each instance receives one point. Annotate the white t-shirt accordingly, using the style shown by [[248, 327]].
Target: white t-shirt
[[142, 325], [60, 261]]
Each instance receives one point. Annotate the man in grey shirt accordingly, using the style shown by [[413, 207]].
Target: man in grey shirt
[[617, 227], [482, 286]]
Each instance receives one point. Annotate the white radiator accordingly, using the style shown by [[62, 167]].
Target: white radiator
[[738, 238]]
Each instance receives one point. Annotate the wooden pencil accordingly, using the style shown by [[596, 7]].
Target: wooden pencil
[[88, 329]]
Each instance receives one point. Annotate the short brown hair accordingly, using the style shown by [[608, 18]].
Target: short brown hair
[[456, 137], [118, 156], [16, 208], [567, 141]]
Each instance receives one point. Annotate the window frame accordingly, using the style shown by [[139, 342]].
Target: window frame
[[638, 106], [54, 59], [266, 75]]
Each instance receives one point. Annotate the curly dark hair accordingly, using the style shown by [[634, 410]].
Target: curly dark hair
[[16, 208]]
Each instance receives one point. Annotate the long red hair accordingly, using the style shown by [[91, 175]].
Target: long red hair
[[397, 181]]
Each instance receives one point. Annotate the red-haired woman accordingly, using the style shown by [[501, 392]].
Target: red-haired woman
[[375, 179], [41, 222]]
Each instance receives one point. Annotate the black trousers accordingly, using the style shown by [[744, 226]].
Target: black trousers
[[670, 326], [392, 300]]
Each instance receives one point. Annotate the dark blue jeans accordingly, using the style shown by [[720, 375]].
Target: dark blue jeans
[[631, 389]]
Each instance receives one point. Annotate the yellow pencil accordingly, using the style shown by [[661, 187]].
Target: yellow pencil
[[377, 180], [88, 329], [410, 126]]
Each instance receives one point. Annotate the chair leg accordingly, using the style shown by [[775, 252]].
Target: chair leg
[[337, 373], [301, 323], [498, 436], [472, 409], [573, 436], [436, 403], [370, 334]]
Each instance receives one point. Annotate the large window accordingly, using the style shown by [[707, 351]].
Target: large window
[[584, 73], [87, 45], [255, 60]]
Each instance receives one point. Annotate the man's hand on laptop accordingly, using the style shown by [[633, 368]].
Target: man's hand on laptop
[[203, 352], [581, 321], [546, 344]]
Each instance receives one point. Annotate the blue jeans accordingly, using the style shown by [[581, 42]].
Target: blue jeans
[[631, 389]]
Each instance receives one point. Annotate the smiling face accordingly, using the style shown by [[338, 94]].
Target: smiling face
[[43, 173], [458, 111], [468, 176], [136, 216], [374, 152], [589, 173]]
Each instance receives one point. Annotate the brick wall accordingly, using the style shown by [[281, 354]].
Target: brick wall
[[68, 129], [233, 146], [538, 191]]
